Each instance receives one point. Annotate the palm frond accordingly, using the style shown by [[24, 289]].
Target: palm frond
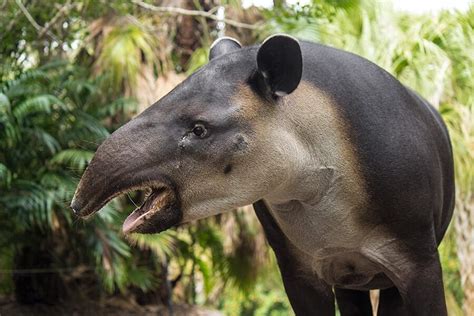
[[120, 105], [4, 104], [11, 134], [5, 176], [13, 87], [43, 139], [44, 104], [76, 159], [162, 245], [30, 203], [85, 127], [124, 50], [60, 184], [108, 215]]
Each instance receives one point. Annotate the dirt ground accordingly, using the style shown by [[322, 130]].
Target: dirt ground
[[113, 306]]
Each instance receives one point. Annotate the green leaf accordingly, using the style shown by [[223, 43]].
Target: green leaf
[[125, 49], [77, 159], [30, 203], [120, 105], [162, 244], [60, 183], [87, 128], [39, 104], [4, 104], [5, 175], [42, 137]]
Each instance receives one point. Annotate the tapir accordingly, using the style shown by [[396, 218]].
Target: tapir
[[350, 172]]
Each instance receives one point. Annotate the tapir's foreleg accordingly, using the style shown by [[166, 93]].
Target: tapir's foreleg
[[353, 303], [420, 294], [306, 297]]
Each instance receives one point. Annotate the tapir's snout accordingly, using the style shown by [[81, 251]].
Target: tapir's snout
[[131, 159], [104, 177]]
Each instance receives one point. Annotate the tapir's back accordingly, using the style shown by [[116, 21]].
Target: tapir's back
[[402, 143]]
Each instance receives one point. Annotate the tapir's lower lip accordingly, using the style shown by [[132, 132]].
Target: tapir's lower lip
[[153, 214]]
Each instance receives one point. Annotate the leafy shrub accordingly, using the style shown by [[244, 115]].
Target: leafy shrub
[[51, 120]]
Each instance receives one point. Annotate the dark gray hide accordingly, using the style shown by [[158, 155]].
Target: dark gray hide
[[350, 172]]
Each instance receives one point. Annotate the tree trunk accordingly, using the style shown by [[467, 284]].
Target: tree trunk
[[190, 30], [464, 225]]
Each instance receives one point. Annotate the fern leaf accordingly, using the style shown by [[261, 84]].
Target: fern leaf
[[42, 137], [76, 159], [4, 104], [162, 245], [5, 175], [39, 104], [87, 127], [30, 202], [121, 105]]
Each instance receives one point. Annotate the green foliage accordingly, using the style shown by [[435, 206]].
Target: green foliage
[[451, 273], [76, 159], [24, 46], [125, 49], [53, 116], [50, 124], [198, 59], [298, 20], [267, 298]]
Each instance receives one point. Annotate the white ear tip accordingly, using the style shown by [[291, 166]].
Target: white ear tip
[[225, 38], [278, 35]]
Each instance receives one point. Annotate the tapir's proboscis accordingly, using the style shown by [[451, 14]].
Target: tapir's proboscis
[[350, 172]]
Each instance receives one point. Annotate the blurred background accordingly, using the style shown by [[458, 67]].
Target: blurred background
[[73, 71]]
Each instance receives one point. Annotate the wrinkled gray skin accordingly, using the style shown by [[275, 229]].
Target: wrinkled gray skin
[[350, 173]]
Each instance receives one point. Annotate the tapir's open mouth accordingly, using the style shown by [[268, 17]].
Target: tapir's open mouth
[[159, 211], [155, 210]]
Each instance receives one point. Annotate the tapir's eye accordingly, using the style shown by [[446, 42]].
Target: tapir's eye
[[200, 130]]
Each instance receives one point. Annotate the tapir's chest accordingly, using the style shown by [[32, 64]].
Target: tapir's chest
[[332, 243], [336, 251]]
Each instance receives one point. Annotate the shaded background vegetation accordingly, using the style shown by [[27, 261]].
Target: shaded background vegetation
[[73, 71]]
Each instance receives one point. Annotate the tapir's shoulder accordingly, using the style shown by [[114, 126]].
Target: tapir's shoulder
[[332, 69], [401, 142]]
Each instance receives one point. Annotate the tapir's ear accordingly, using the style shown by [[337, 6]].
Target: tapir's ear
[[280, 63], [223, 45]]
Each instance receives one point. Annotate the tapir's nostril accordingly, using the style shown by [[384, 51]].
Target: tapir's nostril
[[76, 208]]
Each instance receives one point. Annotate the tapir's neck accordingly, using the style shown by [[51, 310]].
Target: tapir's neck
[[325, 182], [324, 156]]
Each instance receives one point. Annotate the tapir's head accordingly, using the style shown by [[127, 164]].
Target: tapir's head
[[216, 142]]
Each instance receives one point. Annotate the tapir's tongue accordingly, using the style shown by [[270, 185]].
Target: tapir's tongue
[[158, 199]]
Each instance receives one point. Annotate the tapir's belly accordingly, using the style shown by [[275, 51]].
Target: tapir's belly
[[348, 268]]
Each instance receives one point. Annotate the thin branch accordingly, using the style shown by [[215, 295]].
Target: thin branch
[[28, 16], [38, 27], [61, 12], [207, 15]]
